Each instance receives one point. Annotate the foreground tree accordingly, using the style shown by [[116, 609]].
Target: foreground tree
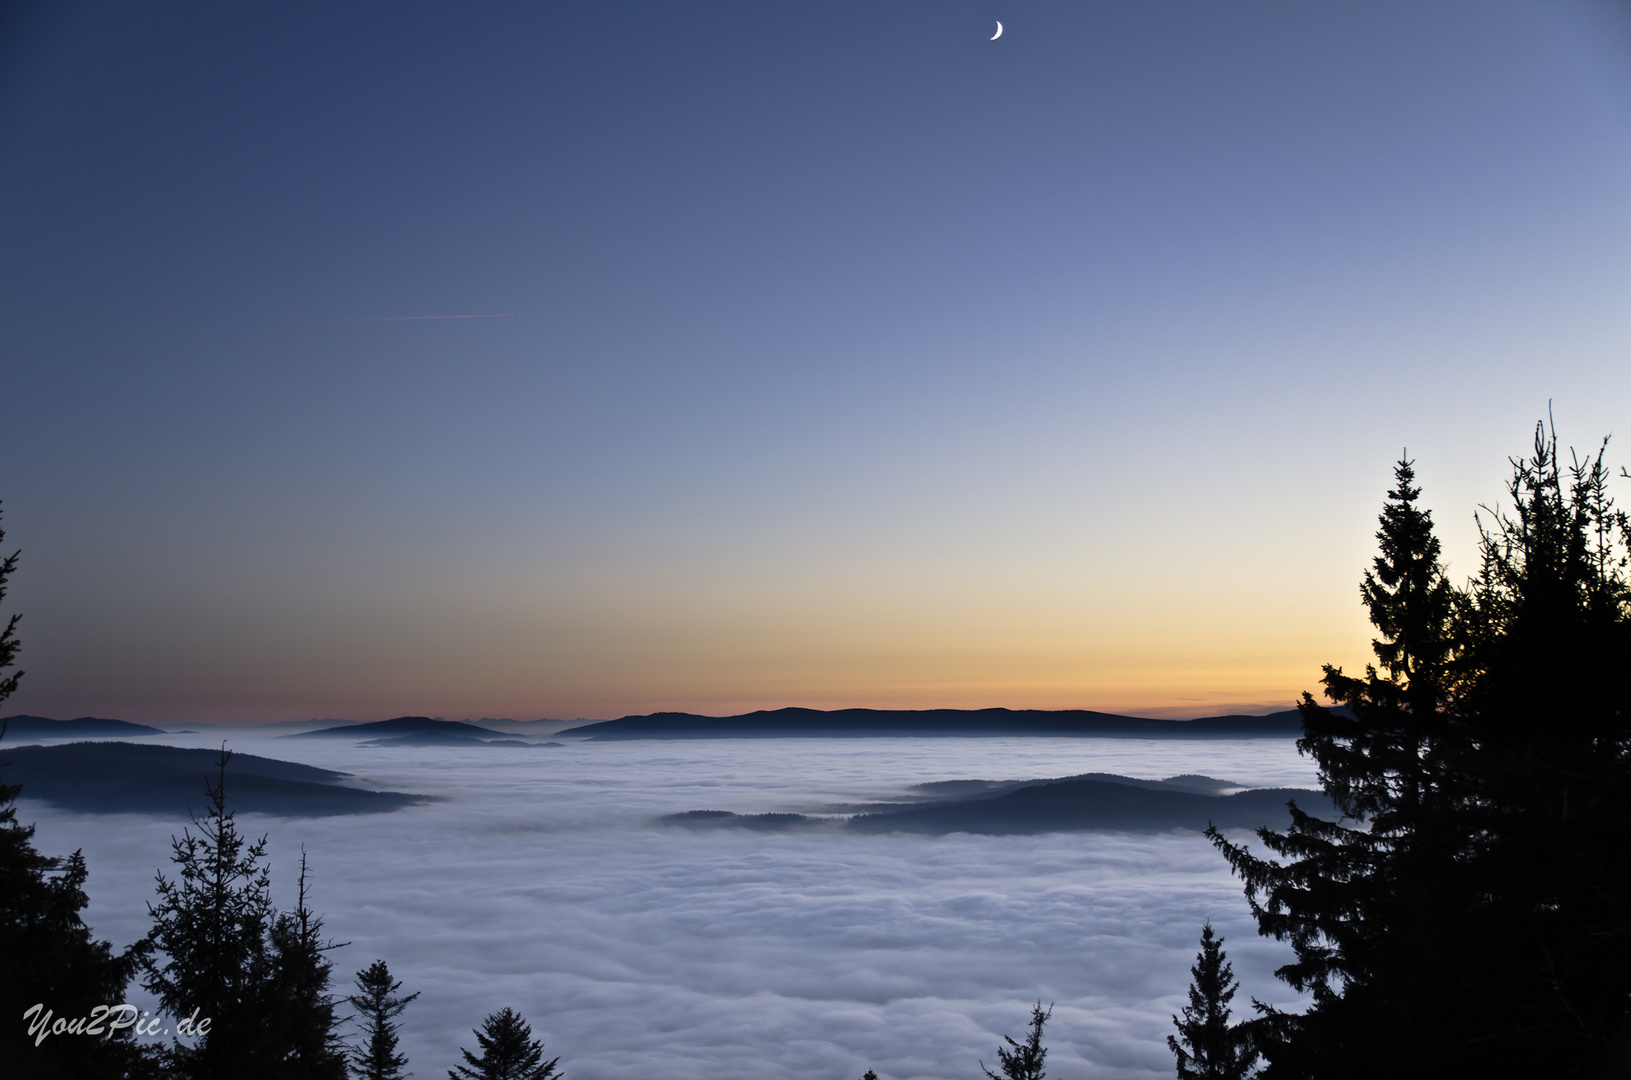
[[1463, 916], [1023, 1061], [219, 952], [1207, 1046], [378, 1005], [1361, 899], [508, 1052], [47, 954], [302, 1007], [1547, 625], [208, 953]]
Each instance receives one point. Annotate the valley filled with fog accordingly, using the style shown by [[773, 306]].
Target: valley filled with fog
[[540, 878]]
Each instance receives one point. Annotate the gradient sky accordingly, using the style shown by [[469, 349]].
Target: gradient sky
[[857, 359]]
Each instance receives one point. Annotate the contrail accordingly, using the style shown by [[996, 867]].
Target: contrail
[[411, 318]]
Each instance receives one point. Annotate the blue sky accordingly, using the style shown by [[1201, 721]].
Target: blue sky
[[857, 359]]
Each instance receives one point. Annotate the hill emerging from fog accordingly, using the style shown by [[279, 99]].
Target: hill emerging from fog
[[120, 777], [441, 731], [86, 727], [860, 723], [1099, 802]]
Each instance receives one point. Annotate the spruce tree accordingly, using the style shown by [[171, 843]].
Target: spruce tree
[[378, 1006], [508, 1052], [1465, 915], [1023, 1061], [1364, 900], [47, 954], [1207, 1046], [303, 1011], [208, 947], [1547, 632]]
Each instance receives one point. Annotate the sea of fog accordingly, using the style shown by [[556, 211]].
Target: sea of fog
[[540, 880]]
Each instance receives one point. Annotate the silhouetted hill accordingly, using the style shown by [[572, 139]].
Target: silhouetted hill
[[852, 723], [446, 738], [86, 727], [1096, 802], [1091, 802], [724, 819], [401, 725], [119, 777]]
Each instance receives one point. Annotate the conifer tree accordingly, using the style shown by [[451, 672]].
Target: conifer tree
[[1364, 900], [210, 936], [303, 1008], [1465, 915], [378, 1005], [1547, 630], [1023, 1061], [508, 1052], [47, 954], [1207, 1046]]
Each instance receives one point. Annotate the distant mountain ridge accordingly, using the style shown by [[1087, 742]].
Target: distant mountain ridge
[[853, 723], [401, 725], [1091, 802], [121, 777], [86, 727]]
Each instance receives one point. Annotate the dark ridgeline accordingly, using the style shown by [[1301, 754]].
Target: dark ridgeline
[[1467, 915], [86, 727], [1092, 801], [508, 1052], [401, 726], [120, 777], [858, 723]]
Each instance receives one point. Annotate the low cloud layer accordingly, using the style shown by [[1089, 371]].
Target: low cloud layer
[[542, 883]]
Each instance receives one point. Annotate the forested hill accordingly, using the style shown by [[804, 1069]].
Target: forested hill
[[852, 723], [86, 727]]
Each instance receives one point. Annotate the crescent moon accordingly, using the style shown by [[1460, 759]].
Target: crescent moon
[[998, 34]]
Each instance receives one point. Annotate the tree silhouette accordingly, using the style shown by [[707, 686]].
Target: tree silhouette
[[210, 939], [9, 645], [378, 1004], [1547, 629], [303, 1008], [47, 955], [1023, 1061], [1207, 1046], [1464, 916], [1363, 900], [508, 1052]]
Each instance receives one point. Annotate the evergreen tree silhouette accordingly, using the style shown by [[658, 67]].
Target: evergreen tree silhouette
[[1023, 1061], [1465, 915], [208, 946], [1207, 1047], [220, 951], [508, 1052], [1547, 641], [47, 954], [303, 1008], [378, 1005]]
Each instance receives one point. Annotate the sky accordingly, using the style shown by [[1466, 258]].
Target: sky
[[841, 355]]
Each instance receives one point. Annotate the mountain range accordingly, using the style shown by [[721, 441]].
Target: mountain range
[[854, 723]]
